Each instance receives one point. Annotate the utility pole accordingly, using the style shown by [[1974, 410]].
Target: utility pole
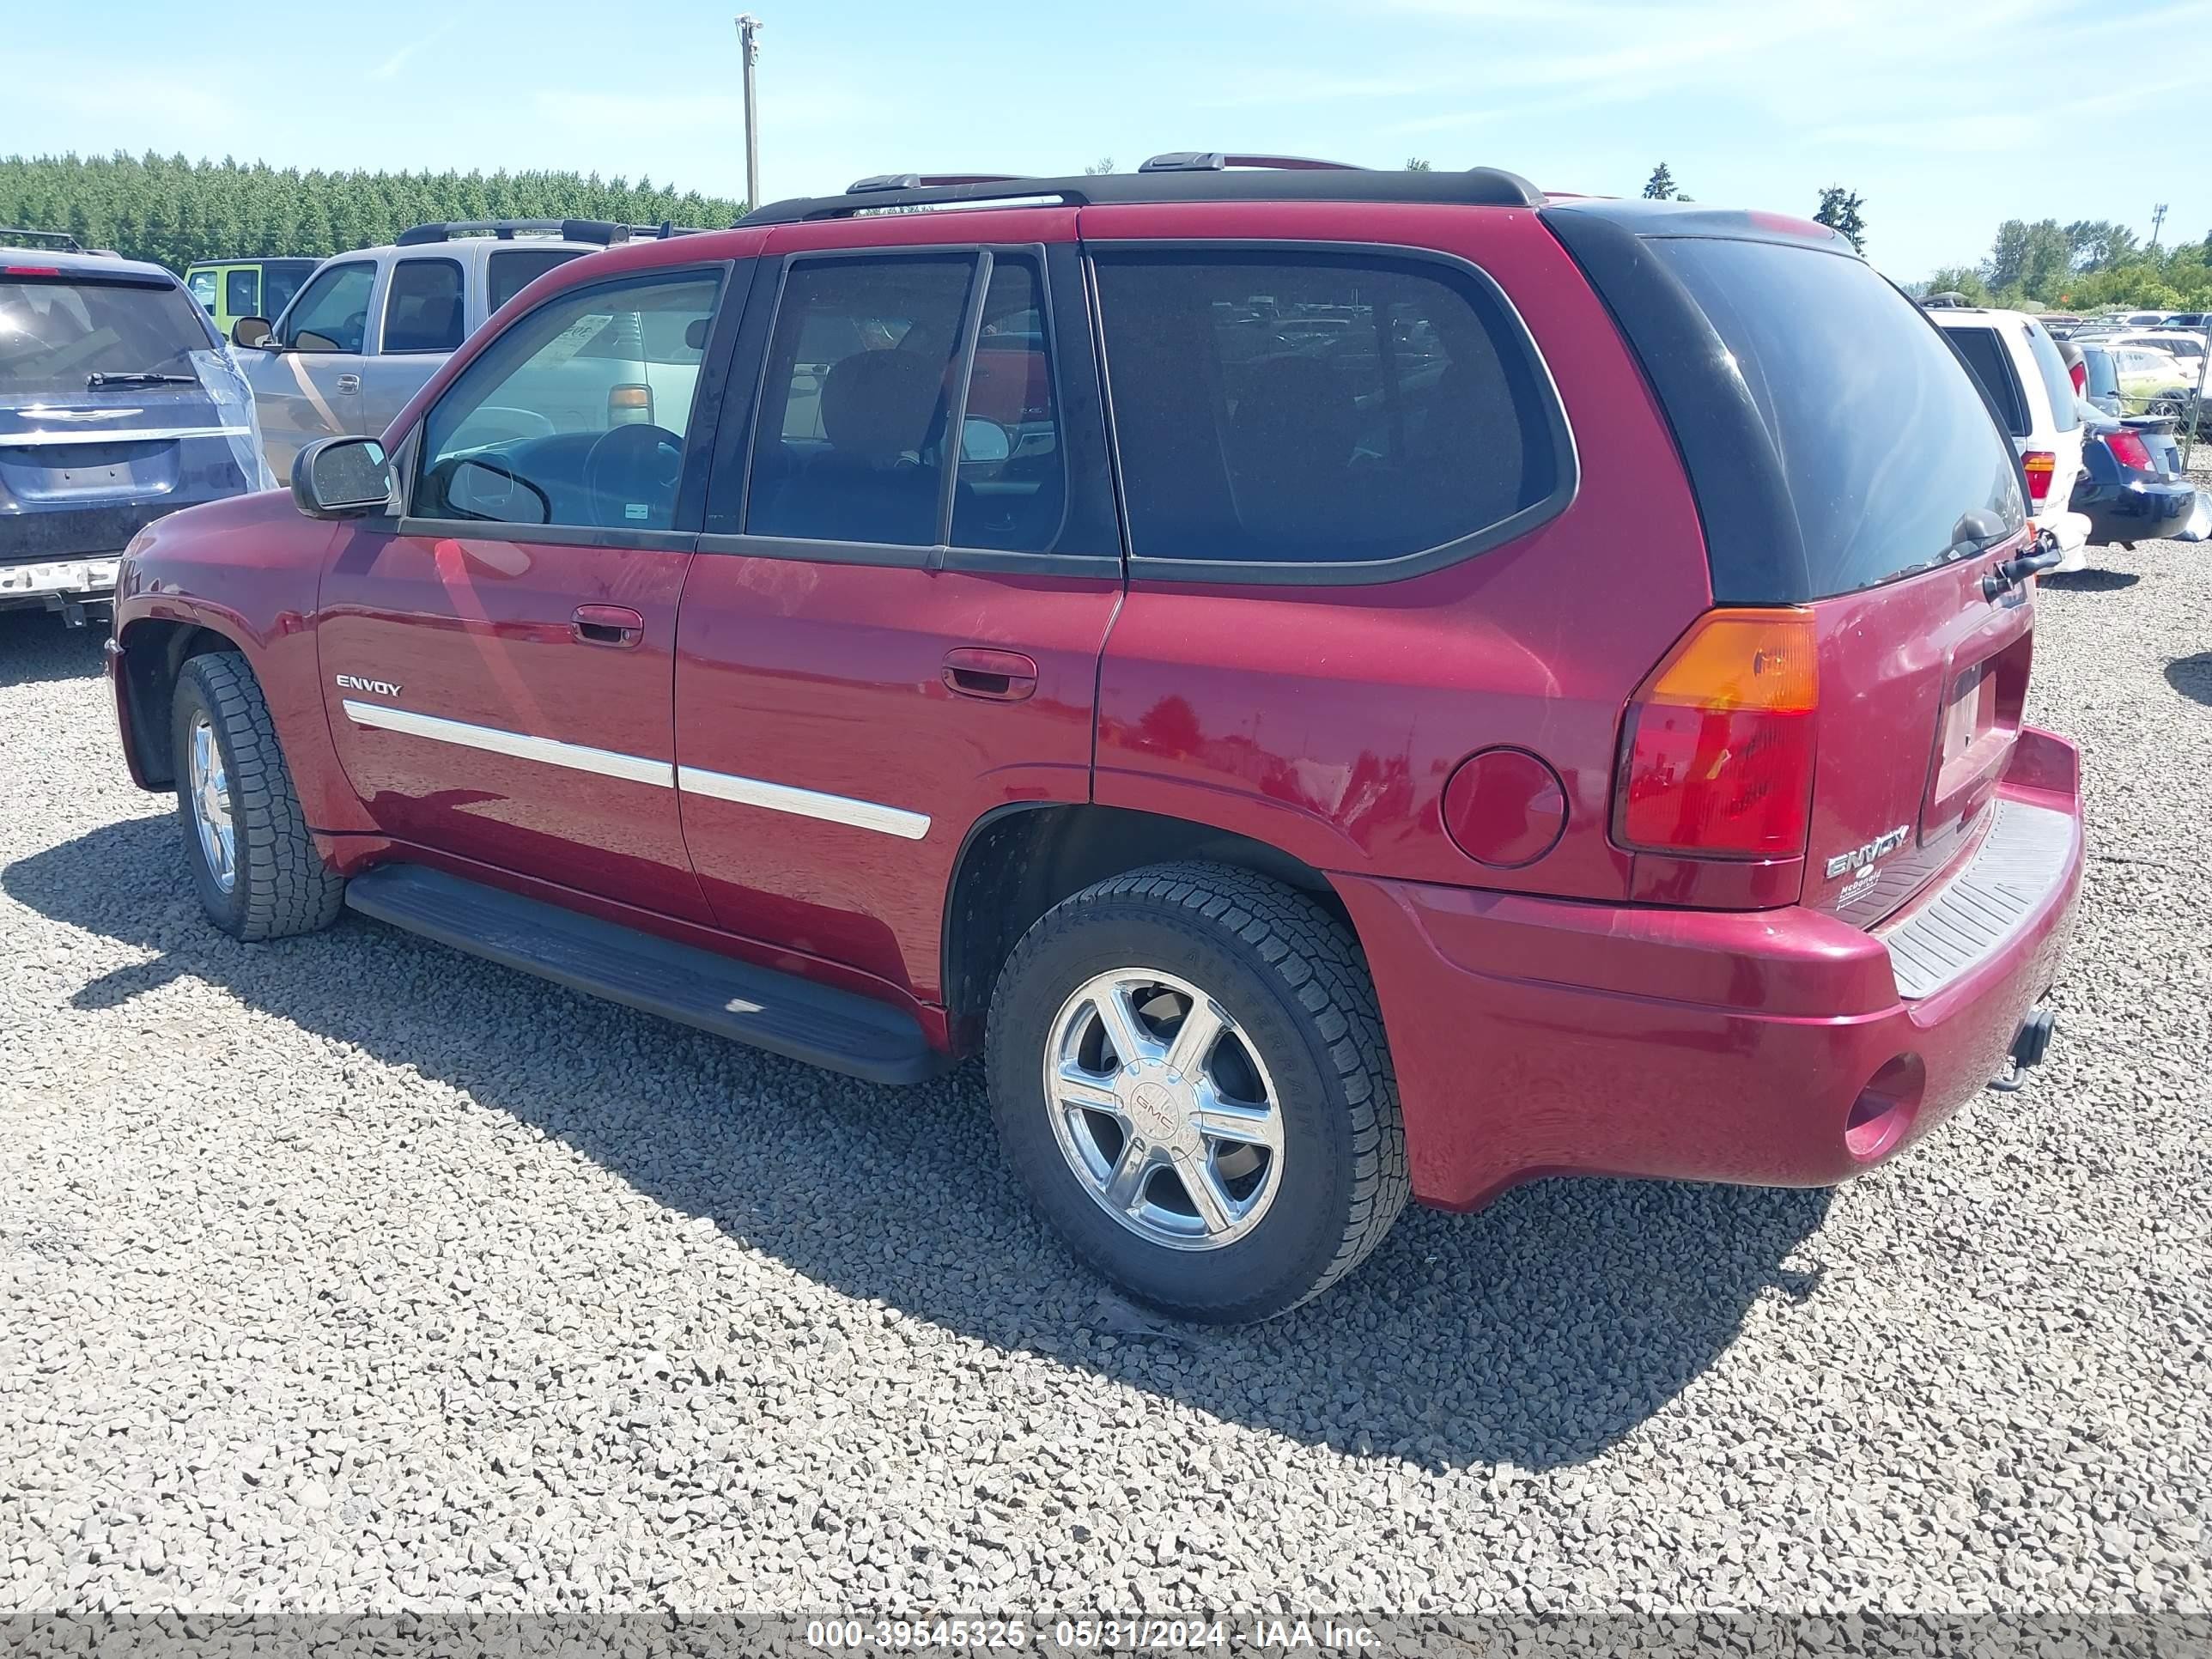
[[749, 42], [2157, 219]]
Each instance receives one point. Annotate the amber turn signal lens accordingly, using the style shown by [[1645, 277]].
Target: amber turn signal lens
[[1717, 753]]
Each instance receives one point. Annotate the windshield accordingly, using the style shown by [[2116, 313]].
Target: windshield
[[54, 336]]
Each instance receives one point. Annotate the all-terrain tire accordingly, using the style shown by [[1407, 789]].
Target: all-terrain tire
[[280, 885], [1291, 977]]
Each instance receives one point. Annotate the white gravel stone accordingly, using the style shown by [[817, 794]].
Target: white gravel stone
[[349, 1272]]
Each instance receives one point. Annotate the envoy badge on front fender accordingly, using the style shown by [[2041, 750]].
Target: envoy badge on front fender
[[380, 688]]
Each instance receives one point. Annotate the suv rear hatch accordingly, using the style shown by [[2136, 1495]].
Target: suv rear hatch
[[1856, 486], [115, 408]]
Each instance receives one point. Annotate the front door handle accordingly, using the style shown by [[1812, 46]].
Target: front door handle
[[349, 383], [975, 670], [616, 625]]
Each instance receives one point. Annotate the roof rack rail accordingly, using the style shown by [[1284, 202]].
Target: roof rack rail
[[1214, 161], [574, 230], [925, 180], [1186, 176], [60, 240]]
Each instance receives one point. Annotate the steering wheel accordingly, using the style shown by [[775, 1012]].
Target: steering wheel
[[632, 466]]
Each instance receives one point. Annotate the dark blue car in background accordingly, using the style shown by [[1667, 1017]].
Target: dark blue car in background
[[118, 404]]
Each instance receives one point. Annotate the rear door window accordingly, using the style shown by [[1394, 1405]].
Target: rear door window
[[423, 306], [1985, 353], [55, 335], [241, 292], [1299, 411], [850, 443], [513, 270]]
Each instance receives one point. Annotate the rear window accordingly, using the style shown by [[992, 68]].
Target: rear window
[[513, 270], [2056, 380], [1985, 353], [55, 334], [1304, 409], [1883, 443]]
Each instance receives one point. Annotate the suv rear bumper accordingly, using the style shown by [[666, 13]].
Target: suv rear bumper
[[1539, 1036], [53, 581]]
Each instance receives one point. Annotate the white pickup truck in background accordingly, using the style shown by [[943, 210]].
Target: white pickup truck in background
[[370, 328]]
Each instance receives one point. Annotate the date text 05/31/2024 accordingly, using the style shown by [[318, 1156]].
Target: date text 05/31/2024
[[1091, 1635]]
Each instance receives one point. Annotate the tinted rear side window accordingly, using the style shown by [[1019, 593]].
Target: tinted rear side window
[[1883, 443], [423, 306], [1986, 355], [1308, 410], [513, 270]]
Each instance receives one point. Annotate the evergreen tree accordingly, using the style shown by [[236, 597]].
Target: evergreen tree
[[1660, 186], [172, 210], [1839, 211]]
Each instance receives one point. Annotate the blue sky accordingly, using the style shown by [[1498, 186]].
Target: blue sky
[[1946, 117]]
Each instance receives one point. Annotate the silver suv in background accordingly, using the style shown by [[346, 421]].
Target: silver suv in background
[[370, 328]]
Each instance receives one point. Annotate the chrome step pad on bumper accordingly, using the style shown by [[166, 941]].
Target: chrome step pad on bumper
[[2019, 861]]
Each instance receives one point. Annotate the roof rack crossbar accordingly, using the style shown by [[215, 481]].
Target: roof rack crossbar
[[1215, 161], [62, 242], [1282, 179], [926, 180], [574, 230]]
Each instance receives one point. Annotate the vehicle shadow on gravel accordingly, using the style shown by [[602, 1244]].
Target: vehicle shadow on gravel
[[2090, 581], [2191, 676], [35, 649], [1538, 1332]]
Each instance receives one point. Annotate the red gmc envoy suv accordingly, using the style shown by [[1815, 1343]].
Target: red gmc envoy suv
[[1339, 685]]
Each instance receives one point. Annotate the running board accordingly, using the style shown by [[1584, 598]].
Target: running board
[[780, 1012]]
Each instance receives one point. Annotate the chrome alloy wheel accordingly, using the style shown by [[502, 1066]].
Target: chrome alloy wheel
[[210, 798], [1164, 1109]]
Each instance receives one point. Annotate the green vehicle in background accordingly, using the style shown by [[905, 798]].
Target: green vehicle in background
[[232, 289]]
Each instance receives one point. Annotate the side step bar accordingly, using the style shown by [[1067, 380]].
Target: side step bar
[[759, 1006]]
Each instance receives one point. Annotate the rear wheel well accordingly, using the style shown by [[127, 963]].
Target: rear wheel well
[[154, 652], [1018, 862]]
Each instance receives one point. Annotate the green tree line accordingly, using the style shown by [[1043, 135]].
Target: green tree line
[[2090, 264], [173, 212]]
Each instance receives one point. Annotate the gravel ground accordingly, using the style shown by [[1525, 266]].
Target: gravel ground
[[350, 1274]]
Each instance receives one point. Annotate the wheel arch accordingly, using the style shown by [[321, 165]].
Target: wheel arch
[[1019, 860], [153, 651]]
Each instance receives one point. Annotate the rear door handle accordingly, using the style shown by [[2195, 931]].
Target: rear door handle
[[616, 625], [975, 670], [349, 383]]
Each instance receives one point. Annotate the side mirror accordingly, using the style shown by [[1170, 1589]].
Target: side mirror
[[475, 488], [1977, 524], [983, 440], [341, 478], [250, 332]]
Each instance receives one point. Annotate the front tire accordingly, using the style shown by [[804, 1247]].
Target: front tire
[[253, 862], [1188, 1070]]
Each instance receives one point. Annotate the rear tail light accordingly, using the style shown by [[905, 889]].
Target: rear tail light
[[2039, 465], [2130, 450], [629, 405], [30, 271], [2080, 374], [1717, 753]]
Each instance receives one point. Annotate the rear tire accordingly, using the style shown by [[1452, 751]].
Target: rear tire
[[253, 863], [1223, 1178]]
